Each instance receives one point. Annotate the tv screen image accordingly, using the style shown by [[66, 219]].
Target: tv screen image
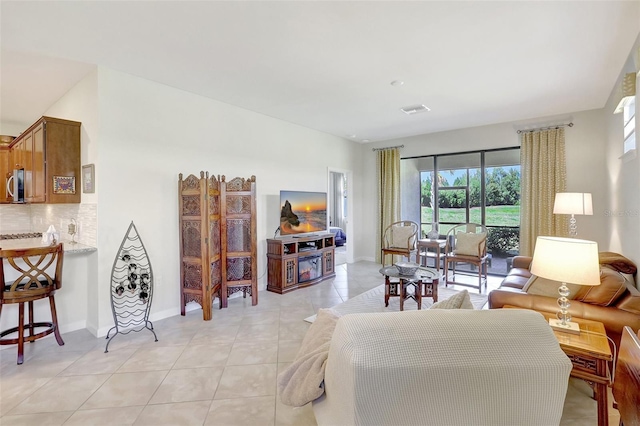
[[302, 212]]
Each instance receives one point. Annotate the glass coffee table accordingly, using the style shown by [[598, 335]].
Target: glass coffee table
[[424, 283]]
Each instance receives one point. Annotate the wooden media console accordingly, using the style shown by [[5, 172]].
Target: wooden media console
[[295, 262]]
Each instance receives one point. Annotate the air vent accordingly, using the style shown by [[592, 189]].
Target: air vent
[[414, 109]]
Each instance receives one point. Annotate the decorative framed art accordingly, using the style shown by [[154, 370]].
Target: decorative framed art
[[64, 185], [88, 179]]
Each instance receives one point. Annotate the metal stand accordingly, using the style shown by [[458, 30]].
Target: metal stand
[[131, 288]]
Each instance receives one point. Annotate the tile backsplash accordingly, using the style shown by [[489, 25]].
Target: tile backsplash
[[16, 218]]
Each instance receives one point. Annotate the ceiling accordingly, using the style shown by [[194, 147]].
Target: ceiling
[[328, 65]]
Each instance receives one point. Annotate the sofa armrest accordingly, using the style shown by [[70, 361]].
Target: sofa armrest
[[614, 319], [523, 262]]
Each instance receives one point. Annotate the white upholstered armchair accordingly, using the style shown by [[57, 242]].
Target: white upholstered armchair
[[444, 367]]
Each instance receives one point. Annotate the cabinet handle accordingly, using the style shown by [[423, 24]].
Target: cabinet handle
[[8, 188]]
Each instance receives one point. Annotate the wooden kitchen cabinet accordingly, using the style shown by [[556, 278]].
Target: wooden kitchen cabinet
[[49, 153]]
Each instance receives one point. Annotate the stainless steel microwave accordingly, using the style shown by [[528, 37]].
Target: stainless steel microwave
[[15, 186]]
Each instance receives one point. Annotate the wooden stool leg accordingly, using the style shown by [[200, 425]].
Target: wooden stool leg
[[20, 333], [54, 320], [31, 320]]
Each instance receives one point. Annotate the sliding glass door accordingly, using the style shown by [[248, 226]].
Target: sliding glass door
[[480, 187]]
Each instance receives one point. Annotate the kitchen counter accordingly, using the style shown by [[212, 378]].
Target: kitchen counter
[[76, 300], [24, 243]]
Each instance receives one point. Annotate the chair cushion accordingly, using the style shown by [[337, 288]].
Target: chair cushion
[[467, 243], [459, 300], [400, 236]]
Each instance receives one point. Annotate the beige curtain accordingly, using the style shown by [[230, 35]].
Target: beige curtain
[[542, 158], [388, 174]]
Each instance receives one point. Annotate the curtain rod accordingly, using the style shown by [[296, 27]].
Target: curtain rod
[[389, 147], [557, 126]]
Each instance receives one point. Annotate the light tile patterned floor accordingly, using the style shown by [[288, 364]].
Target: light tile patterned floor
[[218, 372]]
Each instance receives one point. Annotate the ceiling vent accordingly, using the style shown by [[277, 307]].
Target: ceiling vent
[[414, 109]]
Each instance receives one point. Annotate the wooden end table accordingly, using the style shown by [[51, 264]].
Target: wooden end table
[[425, 245], [589, 353], [425, 283]]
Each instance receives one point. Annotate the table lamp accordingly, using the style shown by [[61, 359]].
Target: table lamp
[[568, 260], [573, 203]]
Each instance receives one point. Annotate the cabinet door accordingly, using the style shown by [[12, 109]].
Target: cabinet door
[[38, 194], [5, 166], [290, 272], [17, 155], [328, 262], [27, 163]]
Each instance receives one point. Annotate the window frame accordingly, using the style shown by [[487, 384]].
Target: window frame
[[629, 126]]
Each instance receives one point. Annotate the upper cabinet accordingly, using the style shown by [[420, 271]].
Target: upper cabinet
[[49, 153]]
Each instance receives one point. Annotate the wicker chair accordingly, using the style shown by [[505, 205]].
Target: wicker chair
[[466, 243], [28, 275], [399, 239]]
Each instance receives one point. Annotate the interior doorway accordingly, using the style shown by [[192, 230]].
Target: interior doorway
[[340, 207]]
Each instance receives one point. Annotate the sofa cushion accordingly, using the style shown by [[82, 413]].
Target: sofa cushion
[[547, 287], [459, 300], [517, 278], [631, 301], [467, 243], [612, 286]]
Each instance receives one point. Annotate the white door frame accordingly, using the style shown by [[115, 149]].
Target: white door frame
[[349, 230]]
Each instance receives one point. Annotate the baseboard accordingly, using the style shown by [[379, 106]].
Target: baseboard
[[68, 328], [64, 328], [157, 316]]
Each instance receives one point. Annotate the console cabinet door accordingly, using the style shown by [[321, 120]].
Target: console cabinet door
[[290, 272], [328, 262]]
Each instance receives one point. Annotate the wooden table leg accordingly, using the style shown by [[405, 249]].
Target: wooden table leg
[[601, 399], [387, 290], [402, 293], [417, 285], [435, 283]]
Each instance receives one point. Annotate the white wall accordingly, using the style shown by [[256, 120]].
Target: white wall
[[140, 135], [81, 104], [149, 133], [585, 150], [623, 175]]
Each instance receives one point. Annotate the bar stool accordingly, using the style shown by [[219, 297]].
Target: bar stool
[[34, 268]]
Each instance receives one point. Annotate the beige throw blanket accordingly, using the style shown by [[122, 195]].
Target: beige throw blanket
[[302, 381]]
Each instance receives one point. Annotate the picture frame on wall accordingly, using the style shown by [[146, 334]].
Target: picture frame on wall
[[88, 179]]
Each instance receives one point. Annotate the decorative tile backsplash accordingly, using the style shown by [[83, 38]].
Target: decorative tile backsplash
[[17, 218]]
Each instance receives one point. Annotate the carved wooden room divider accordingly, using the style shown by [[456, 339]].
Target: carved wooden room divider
[[217, 240]]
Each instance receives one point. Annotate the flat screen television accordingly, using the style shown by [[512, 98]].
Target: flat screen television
[[302, 212]]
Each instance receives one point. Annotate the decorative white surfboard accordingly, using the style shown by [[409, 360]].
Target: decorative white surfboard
[[131, 287]]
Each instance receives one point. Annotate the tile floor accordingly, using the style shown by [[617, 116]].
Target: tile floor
[[219, 372]]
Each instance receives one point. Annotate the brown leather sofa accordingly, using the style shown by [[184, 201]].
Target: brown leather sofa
[[615, 302]]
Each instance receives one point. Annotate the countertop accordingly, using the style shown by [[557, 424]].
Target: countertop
[[37, 242]]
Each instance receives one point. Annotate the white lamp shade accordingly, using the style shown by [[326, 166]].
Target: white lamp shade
[[573, 203], [567, 260]]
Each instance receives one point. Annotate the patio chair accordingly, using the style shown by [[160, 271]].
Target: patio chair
[[399, 239], [466, 243]]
